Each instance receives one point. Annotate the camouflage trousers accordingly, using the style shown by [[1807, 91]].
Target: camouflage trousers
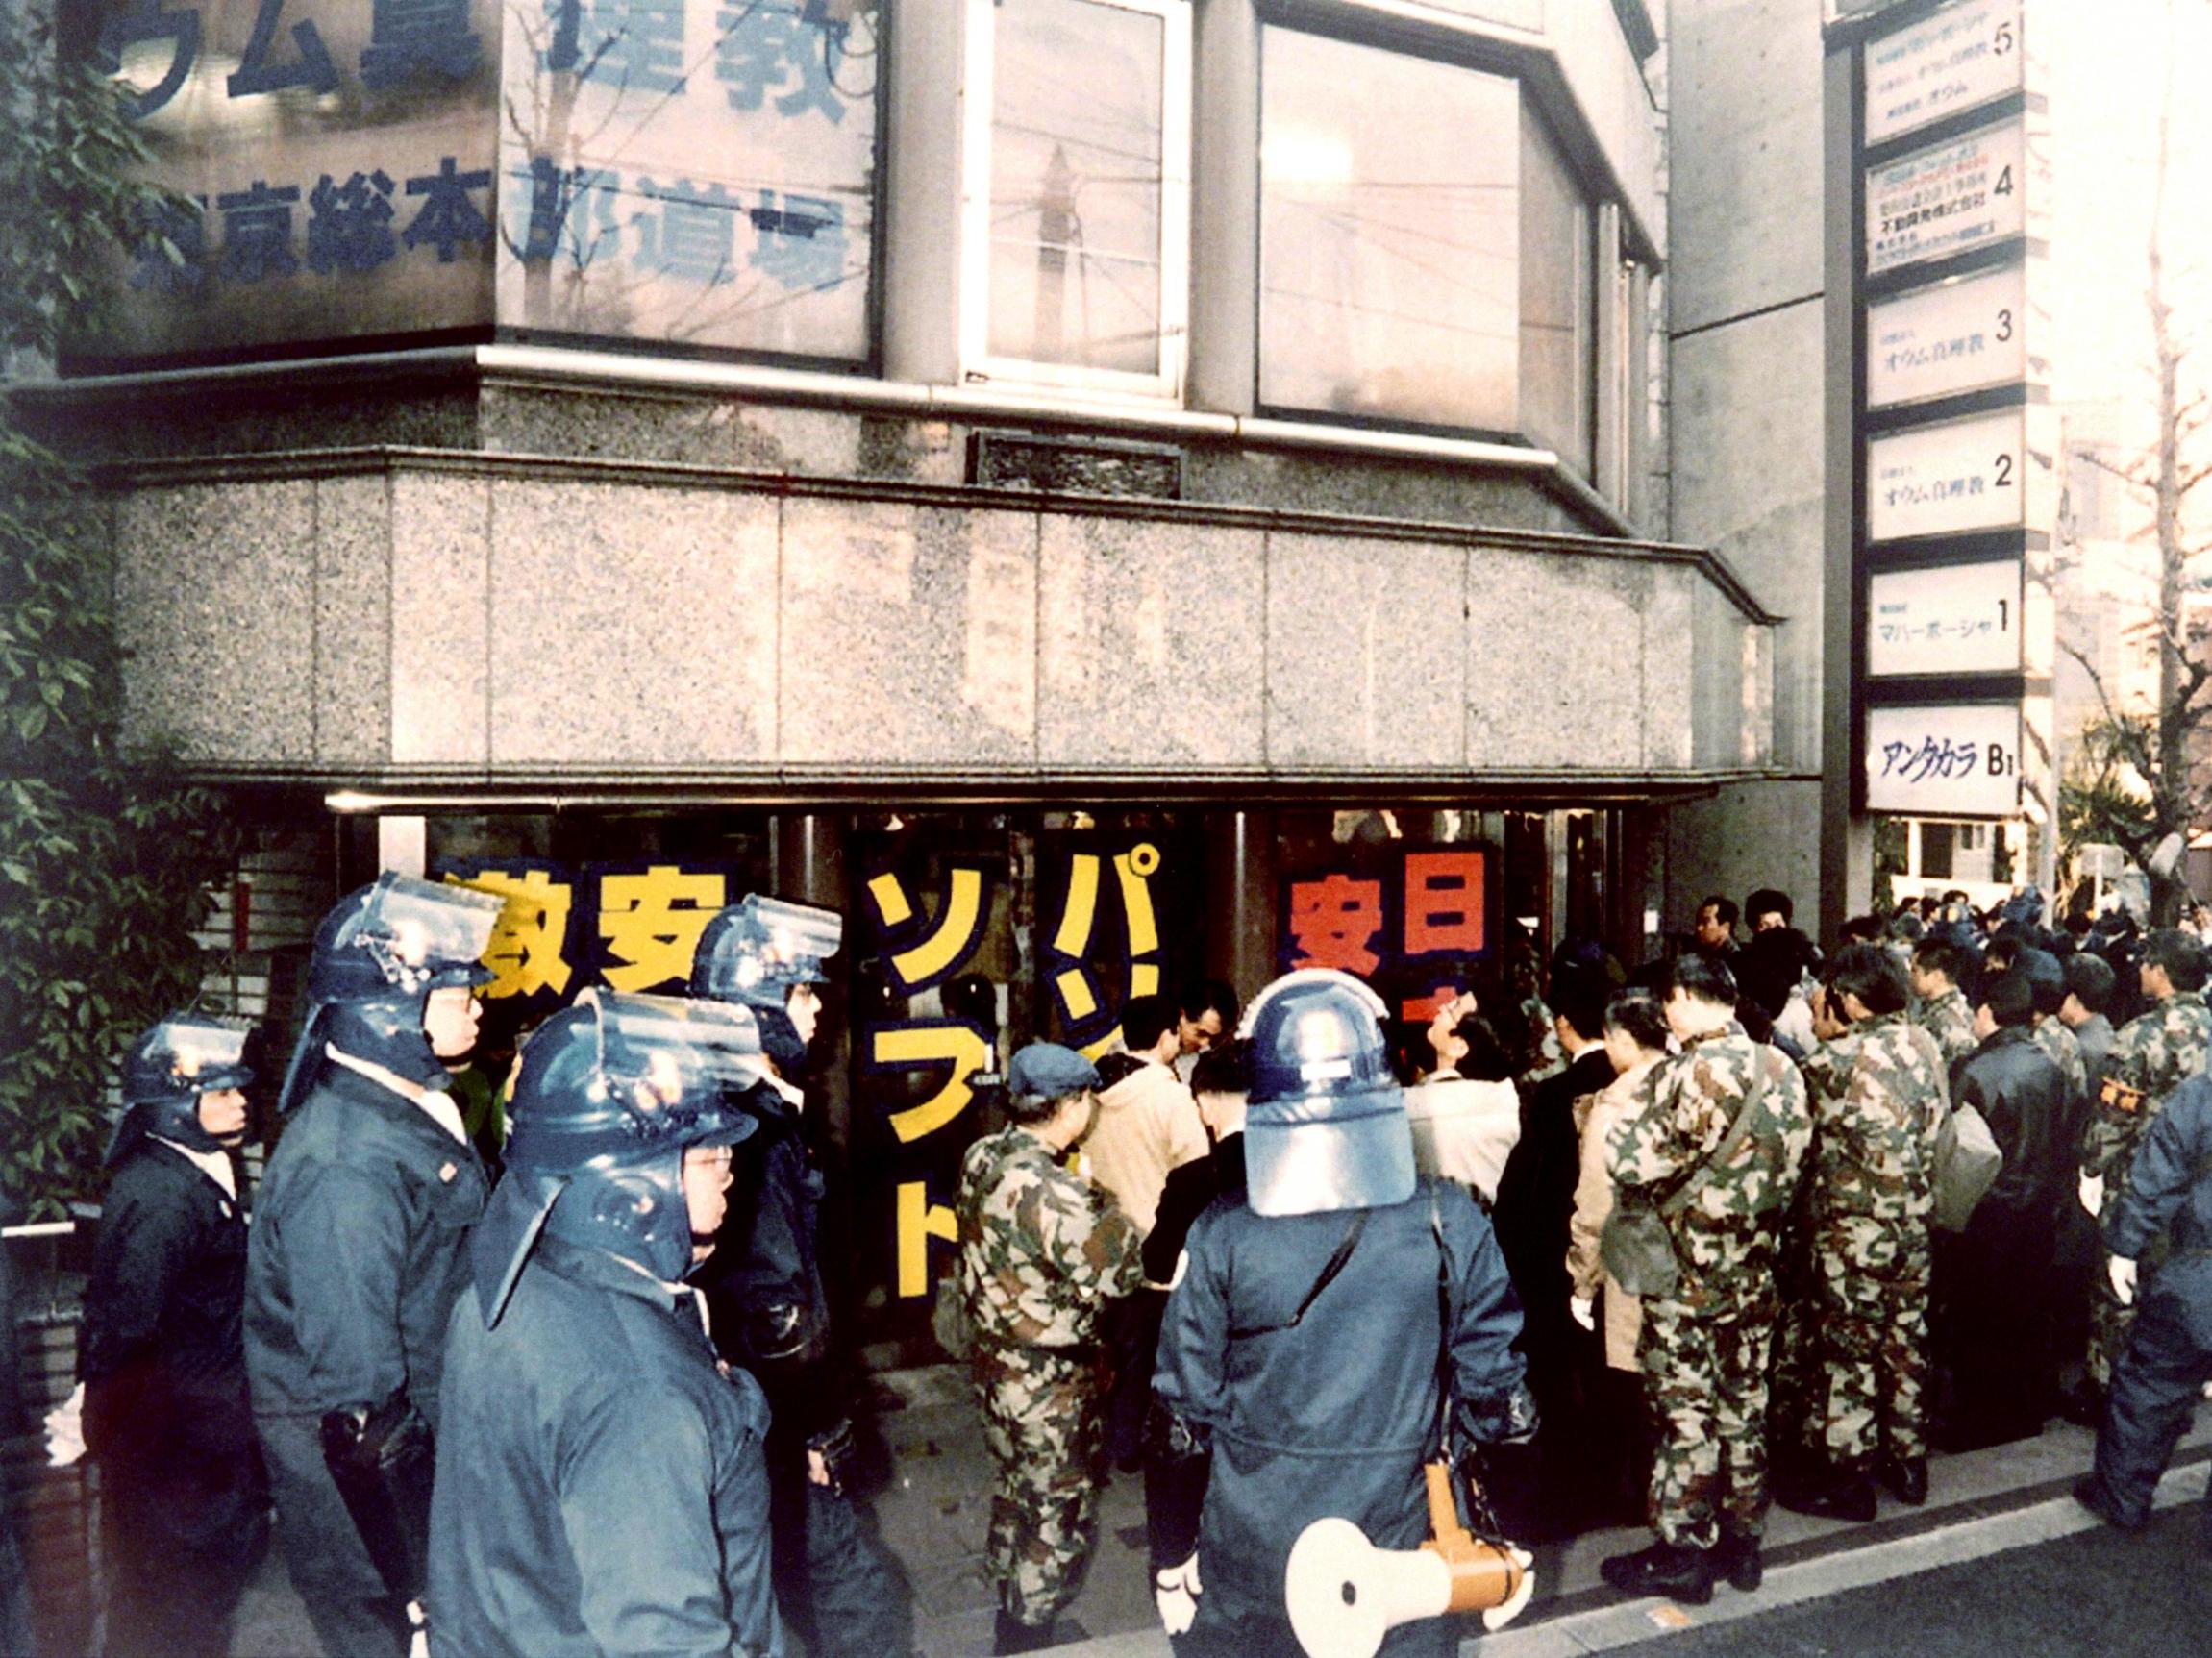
[[2111, 1325], [1706, 1374], [1866, 1340], [1042, 1423]]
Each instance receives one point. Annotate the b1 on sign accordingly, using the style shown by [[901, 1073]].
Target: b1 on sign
[[1952, 761], [1951, 619], [1959, 335], [1963, 57]]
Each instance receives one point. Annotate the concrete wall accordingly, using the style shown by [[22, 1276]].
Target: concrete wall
[[428, 618], [1747, 353]]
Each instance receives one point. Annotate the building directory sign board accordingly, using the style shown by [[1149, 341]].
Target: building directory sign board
[[1964, 335], [1960, 59], [1949, 478], [1948, 619], [1957, 759], [1950, 197]]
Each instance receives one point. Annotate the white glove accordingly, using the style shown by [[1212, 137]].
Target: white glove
[[2092, 1195], [1175, 1590], [65, 1430], [1583, 1308], [1498, 1616], [2121, 1272]]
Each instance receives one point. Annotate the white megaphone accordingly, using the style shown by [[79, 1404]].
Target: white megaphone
[[1344, 1595]]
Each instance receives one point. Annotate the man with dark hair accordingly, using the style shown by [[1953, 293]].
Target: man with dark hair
[[2046, 977], [2090, 985], [1535, 1202], [1940, 967], [1042, 1250], [1729, 1123], [1878, 1100], [1206, 1015], [2152, 1057], [1715, 932], [1148, 1126], [1767, 908], [1996, 1358]]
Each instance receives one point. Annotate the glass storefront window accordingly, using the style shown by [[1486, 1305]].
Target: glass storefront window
[[1556, 336], [1390, 239], [1079, 190]]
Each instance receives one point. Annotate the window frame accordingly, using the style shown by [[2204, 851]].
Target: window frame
[[978, 364]]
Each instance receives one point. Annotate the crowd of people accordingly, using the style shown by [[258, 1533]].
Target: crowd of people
[[1663, 1244]]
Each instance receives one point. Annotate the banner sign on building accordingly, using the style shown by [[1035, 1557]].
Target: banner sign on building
[[628, 925], [1949, 198], [1416, 922], [1965, 335], [1945, 761], [1961, 58]]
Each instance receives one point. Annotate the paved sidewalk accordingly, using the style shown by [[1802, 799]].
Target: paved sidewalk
[[934, 1513]]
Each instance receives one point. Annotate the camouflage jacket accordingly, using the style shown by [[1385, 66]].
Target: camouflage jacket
[[1879, 1094], [1724, 1239], [1041, 1249], [1950, 1021], [2151, 1057], [2065, 1051]]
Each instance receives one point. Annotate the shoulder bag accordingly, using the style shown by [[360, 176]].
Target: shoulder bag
[[1636, 1247]]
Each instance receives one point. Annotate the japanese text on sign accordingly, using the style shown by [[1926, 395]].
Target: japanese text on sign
[[1411, 924], [1944, 200], [1960, 336], [1960, 475], [629, 927], [1962, 58], [1960, 760], [1953, 619]]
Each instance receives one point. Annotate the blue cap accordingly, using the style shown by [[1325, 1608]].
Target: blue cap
[[1047, 1071]]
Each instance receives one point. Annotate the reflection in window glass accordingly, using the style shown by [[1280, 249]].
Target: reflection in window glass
[[1076, 184], [1389, 237], [1556, 336], [696, 173]]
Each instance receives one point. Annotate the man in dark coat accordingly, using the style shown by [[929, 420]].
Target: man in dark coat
[[356, 1252], [2169, 1356], [1535, 1203], [601, 1487], [184, 1503], [834, 1582], [1991, 1337], [1331, 1309]]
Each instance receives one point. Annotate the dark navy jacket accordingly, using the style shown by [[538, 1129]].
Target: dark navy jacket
[[601, 1487], [1338, 1414], [2170, 1188], [160, 1351], [359, 1251]]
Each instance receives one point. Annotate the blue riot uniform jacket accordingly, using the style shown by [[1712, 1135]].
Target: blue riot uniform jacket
[[357, 1252], [2170, 1188], [1336, 1415], [601, 1487], [160, 1351]]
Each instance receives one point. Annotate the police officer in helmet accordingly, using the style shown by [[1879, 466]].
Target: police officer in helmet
[[357, 1252], [600, 1481], [184, 1510], [834, 1580], [1346, 1303]]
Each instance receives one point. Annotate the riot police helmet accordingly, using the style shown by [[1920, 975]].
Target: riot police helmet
[[755, 953], [378, 958], [1324, 1122], [169, 1069], [611, 1092]]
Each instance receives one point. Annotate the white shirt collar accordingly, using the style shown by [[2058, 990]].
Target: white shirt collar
[[436, 1102], [215, 1165]]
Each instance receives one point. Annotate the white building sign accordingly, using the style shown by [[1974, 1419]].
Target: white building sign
[[1963, 57], [1956, 760], [1949, 479], [1953, 619], [1959, 335], [1945, 200]]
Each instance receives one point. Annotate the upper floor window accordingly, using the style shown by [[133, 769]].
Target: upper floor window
[[1425, 250], [1076, 237]]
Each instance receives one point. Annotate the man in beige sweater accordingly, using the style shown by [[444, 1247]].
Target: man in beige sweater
[[1148, 1123]]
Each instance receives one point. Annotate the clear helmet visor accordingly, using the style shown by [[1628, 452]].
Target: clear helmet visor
[[203, 1052], [664, 1058], [425, 926]]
